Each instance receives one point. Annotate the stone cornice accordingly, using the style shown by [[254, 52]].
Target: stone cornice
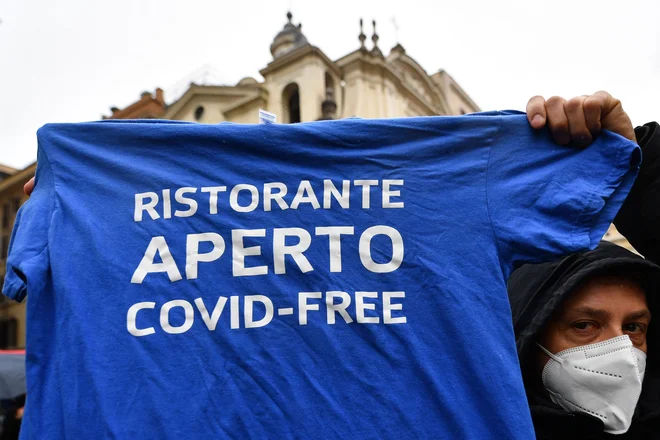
[[301, 52]]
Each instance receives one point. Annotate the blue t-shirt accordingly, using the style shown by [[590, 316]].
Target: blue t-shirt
[[335, 279]]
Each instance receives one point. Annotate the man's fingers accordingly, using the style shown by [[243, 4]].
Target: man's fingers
[[606, 101], [557, 120], [593, 108], [612, 115], [580, 119], [29, 187], [580, 135], [536, 114]]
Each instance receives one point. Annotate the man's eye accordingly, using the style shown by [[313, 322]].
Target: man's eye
[[635, 327], [582, 325]]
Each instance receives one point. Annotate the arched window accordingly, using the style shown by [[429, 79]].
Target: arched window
[[199, 112], [291, 104], [329, 86]]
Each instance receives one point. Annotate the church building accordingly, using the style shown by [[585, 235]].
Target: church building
[[302, 84]]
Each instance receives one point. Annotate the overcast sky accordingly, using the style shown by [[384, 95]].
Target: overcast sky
[[71, 60]]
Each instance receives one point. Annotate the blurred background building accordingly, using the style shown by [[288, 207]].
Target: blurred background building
[[12, 315], [300, 84]]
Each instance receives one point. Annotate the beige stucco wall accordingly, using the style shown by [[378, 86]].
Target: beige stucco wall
[[457, 103], [615, 236], [309, 73], [246, 114], [213, 108], [371, 92], [454, 99]]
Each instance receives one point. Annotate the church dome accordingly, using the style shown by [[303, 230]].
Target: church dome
[[247, 81], [288, 39]]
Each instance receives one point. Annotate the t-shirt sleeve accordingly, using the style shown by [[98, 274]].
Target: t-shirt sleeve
[[547, 200], [28, 262]]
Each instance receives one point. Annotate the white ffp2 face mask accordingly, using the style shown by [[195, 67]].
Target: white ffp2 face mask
[[602, 379]]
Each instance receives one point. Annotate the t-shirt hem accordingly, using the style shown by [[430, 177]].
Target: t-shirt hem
[[14, 288], [607, 197]]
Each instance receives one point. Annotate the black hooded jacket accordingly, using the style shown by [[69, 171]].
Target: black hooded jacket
[[639, 218], [536, 292]]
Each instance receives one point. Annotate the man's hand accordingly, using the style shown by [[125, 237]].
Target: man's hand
[[578, 120], [29, 187]]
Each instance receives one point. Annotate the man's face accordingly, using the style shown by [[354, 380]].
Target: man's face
[[602, 309]]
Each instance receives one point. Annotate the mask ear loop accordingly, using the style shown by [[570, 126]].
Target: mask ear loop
[[555, 358]]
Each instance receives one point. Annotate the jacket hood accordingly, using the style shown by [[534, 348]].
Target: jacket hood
[[536, 291]]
